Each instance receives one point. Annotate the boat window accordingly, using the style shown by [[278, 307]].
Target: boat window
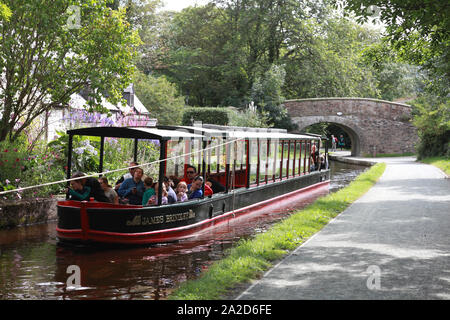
[[308, 156], [272, 159], [292, 155], [195, 156], [253, 159], [175, 163], [212, 159], [238, 164], [284, 162], [262, 160], [279, 159], [298, 157], [223, 158]]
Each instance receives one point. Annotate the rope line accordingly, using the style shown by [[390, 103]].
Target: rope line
[[116, 170]]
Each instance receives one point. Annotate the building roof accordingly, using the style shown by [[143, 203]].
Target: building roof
[[140, 108]]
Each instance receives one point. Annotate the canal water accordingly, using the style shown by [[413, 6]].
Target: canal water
[[34, 266]]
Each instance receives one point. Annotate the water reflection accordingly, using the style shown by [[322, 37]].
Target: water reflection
[[34, 266], [343, 173]]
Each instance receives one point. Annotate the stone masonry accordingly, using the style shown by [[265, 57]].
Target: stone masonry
[[374, 126]]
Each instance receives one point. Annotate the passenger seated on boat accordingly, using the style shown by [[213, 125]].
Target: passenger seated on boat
[[133, 188], [127, 175], [215, 185], [191, 174], [175, 180], [110, 193], [195, 188], [149, 191], [322, 165], [153, 201], [96, 190], [171, 195], [78, 191], [181, 191]]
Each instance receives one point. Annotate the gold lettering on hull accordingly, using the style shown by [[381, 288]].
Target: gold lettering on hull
[[139, 220]]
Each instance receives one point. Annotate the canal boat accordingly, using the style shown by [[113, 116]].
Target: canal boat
[[255, 167]]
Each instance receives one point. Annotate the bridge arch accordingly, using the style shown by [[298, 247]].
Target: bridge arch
[[354, 132], [374, 126]]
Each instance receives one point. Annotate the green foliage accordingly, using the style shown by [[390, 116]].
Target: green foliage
[[396, 79], [13, 157], [50, 52], [5, 12], [160, 97], [329, 64], [418, 30], [248, 118], [230, 53], [217, 116], [266, 92], [432, 119], [23, 166]]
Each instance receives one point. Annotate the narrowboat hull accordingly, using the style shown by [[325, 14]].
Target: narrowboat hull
[[96, 222]]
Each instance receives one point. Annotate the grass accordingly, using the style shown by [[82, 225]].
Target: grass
[[442, 163], [249, 259]]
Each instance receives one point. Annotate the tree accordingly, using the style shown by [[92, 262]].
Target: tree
[[432, 119], [418, 30], [160, 97], [52, 49], [329, 64], [396, 79], [203, 60], [266, 93]]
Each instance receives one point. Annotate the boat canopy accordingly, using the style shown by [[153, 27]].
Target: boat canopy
[[239, 133], [151, 133]]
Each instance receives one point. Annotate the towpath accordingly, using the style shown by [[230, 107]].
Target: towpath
[[392, 243]]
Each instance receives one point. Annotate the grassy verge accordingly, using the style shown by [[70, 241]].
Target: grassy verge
[[250, 258], [442, 163]]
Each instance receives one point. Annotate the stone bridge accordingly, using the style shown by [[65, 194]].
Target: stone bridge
[[374, 126]]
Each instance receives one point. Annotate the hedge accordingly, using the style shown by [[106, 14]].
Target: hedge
[[217, 116]]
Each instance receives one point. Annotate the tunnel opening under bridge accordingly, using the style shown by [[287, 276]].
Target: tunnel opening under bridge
[[352, 140]]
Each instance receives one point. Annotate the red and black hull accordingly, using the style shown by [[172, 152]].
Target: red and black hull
[[96, 222]]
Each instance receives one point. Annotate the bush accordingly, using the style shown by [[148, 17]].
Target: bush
[[248, 118], [217, 116], [24, 165], [432, 119]]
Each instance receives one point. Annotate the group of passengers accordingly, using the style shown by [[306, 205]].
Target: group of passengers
[[134, 188]]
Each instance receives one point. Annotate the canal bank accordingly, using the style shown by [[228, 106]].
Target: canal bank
[[392, 243], [27, 212]]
